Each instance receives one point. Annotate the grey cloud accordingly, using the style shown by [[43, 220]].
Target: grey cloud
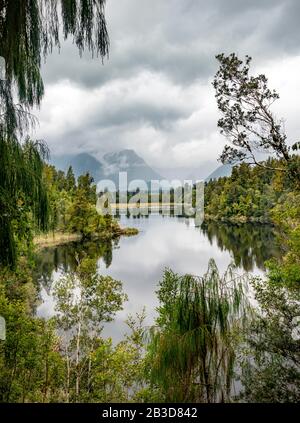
[[177, 40], [181, 38], [136, 113]]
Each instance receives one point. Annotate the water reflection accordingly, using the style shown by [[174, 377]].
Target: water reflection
[[251, 245], [64, 257], [163, 242]]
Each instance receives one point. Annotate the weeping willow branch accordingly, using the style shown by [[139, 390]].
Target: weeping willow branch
[[191, 350], [22, 193], [29, 30]]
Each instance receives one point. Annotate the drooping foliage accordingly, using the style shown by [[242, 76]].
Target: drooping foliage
[[29, 30], [23, 195], [191, 350]]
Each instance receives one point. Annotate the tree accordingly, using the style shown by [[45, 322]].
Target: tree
[[245, 102], [29, 30], [270, 362], [23, 195], [85, 300], [192, 351], [118, 371], [31, 368], [70, 180], [84, 217]]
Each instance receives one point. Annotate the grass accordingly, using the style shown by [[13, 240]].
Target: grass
[[55, 238]]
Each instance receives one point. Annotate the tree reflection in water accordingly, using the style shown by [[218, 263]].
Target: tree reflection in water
[[247, 242]]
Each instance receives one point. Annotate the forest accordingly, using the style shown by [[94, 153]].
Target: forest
[[207, 337]]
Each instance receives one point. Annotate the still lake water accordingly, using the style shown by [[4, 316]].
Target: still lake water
[[162, 242]]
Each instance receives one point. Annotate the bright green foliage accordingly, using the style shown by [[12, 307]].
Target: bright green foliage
[[30, 363], [114, 372], [286, 214], [249, 194], [19, 286], [59, 197], [191, 352], [118, 372], [73, 207], [287, 271], [83, 216], [70, 180]]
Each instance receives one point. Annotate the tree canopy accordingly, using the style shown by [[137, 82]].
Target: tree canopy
[[247, 120]]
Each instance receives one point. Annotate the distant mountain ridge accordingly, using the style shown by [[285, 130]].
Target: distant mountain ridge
[[128, 161], [109, 167], [220, 172], [111, 164]]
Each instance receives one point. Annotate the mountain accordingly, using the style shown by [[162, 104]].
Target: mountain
[[109, 167], [127, 161], [81, 164], [221, 171]]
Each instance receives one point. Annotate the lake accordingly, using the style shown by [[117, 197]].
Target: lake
[[162, 242]]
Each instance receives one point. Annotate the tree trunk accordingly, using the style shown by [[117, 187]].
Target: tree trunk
[[77, 359]]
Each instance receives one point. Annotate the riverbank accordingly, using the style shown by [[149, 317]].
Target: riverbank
[[238, 219], [156, 207], [54, 239]]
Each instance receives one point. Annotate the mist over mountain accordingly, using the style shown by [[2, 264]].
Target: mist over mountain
[[129, 161], [109, 166], [81, 164]]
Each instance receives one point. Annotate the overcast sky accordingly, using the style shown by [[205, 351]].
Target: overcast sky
[[154, 94]]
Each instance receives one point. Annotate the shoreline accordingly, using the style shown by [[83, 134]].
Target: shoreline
[[54, 239]]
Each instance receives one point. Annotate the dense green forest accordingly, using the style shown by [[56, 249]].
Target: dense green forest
[[72, 206], [252, 193]]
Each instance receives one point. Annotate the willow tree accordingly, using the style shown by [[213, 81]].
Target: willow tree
[[23, 196], [191, 351], [29, 30]]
